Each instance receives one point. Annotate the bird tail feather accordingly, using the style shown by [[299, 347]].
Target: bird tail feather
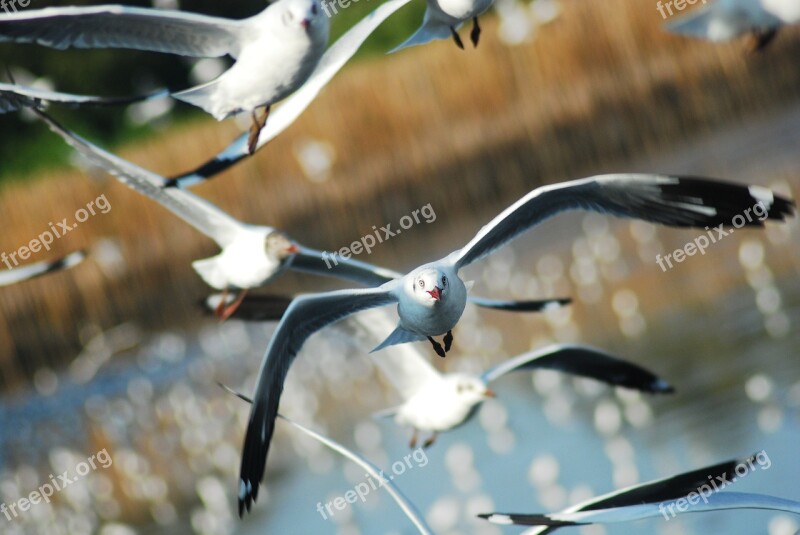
[[205, 96], [398, 336], [429, 31]]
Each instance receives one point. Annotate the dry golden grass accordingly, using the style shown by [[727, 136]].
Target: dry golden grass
[[464, 131]]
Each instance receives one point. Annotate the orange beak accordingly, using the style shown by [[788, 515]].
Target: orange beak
[[489, 394], [293, 249]]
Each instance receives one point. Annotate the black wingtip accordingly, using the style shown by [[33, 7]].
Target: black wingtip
[[207, 171], [526, 520], [660, 386]]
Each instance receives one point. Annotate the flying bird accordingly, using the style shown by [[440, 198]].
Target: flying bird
[[275, 50], [442, 20], [252, 255], [31, 271], [394, 491], [431, 298], [654, 499], [724, 20], [436, 403], [290, 109]]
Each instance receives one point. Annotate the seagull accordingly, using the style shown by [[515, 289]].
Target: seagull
[[652, 500], [727, 19], [431, 298], [15, 97], [31, 271], [275, 50], [442, 20], [436, 403], [252, 255], [394, 491], [290, 109]]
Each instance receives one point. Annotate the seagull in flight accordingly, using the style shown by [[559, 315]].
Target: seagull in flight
[[654, 499], [431, 298], [436, 403], [290, 109], [31, 271], [442, 20], [724, 20], [394, 491], [252, 255], [275, 50]]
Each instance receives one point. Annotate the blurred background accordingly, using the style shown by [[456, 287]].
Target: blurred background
[[115, 354]]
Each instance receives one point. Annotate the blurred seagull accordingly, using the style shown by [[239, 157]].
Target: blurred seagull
[[431, 298], [289, 110], [652, 500], [275, 50], [434, 403], [442, 20], [724, 20], [15, 97], [405, 504], [252, 255], [31, 271]]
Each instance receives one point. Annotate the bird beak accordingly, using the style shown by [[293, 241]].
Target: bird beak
[[305, 24], [489, 394], [292, 249], [436, 293]]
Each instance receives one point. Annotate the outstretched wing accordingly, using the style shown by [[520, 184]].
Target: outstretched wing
[[14, 97], [31, 271], [305, 316], [198, 212], [584, 361], [115, 26], [669, 200], [281, 118]]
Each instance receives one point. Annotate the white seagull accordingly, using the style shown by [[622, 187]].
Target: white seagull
[[31, 271], [394, 491], [724, 20], [252, 255], [653, 499], [435, 402], [442, 20], [290, 109], [431, 298], [275, 50]]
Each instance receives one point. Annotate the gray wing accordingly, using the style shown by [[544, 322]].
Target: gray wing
[[284, 115], [115, 26], [583, 361], [312, 261], [199, 213], [651, 492], [675, 201], [31, 271], [305, 316], [14, 97]]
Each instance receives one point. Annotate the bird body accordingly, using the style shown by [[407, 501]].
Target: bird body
[[443, 18]]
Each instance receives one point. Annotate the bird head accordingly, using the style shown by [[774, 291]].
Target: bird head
[[468, 389], [305, 14], [278, 245], [430, 286]]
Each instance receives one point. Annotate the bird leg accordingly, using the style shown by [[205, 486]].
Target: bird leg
[[759, 39], [448, 341], [457, 38], [220, 310], [229, 310], [428, 443], [475, 34], [413, 442], [437, 347], [255, 129]]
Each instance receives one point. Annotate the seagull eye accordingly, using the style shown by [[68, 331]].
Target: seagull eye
[[314, 9], [444, 281], [422, 284]]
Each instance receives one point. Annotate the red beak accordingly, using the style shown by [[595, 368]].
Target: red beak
[[436, 293], [293, 249], [489, 394], [305, 24]]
